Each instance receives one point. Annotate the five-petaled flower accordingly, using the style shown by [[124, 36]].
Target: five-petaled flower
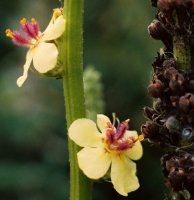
[[110, 148], [42, 48]]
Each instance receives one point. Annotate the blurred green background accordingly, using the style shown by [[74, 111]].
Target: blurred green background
[[33, 141]]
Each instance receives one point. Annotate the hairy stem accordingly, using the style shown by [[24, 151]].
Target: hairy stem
[[80, 186], [182, 53]]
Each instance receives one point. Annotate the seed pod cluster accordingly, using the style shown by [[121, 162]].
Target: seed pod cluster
[[179, 168], [170, 121], [173, 107]]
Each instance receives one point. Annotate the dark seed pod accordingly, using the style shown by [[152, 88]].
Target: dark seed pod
[[183, 104], [185, 3], [178, 168], [150, 130], [190, 97], [165, 5], [173, 85], [176, 178], [170, 62], [156, 30], [148, 112], [170, 73], [174, 100], [155, 89], [180, 79]]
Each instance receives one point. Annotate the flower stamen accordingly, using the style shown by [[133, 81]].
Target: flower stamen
[[30, 28], [9, 33]]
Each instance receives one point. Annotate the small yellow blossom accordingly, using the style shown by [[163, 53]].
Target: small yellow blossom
[[110, 148], [42, 49]]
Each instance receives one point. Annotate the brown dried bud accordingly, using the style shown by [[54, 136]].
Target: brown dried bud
[[185, 3], [174, 101], [184, 104], [150, 130], [169, 63], [156, 30], [155, 89], [180, 78], [176, 178], [179, 170], [190, 97], [173, 85], [165, 5], [148, 112], [170, 73]]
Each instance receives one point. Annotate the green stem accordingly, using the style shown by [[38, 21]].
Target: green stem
[[80, 186], [182, 53], [182, 49]]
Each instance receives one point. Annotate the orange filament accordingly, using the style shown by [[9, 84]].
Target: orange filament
[[9, 33], [23, 21], [140, 138]]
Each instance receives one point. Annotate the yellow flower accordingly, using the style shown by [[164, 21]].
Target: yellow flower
[[42, 49], [110, 148]]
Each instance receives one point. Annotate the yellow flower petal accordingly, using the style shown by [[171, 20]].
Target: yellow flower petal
[[55, 30], [94, 162], [45, 57], [123, 176], [22, 78], [136, 151], [102, 121], [84, 133]]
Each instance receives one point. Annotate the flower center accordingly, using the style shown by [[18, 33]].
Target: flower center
[[118, 139]]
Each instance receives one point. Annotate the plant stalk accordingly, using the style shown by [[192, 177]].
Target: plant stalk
[[182, 55], [80, 185]]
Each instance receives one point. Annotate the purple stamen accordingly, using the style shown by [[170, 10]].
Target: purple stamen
[[36, 28], [121, 130], [31, 29], [19, 39], [110, 136], [124, 145]]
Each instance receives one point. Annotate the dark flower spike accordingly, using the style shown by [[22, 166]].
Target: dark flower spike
[[171, 120]]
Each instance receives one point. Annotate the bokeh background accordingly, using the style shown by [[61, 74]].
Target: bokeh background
[[33, 138]]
